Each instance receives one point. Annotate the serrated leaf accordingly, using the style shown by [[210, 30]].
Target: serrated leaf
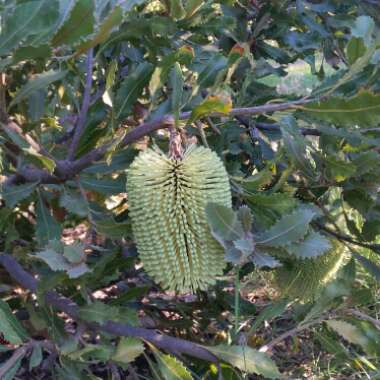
[[10, 326], [171, 368], [192, 6], [279, 202], [224, 222], [13, 194], [127, 350], [74, 253], [369, 265], [107, 186], [355, 49], [210, 105], [131, 88], [313, 245], [177, 10], [28, 18], [246, 246], [78, 270], [362, 110], [176, 82], [290, 228], [78, 25], [53, 259], [273, 310], [47, 228], [98, 312], [74, 202], [113, 19], [295, 145], [40, 159], [246, 218], [339, 170], [40, 81], [263, 260], [349, 332], [247, 360]]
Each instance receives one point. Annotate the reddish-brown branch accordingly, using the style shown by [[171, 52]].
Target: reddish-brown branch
[[170, 344]]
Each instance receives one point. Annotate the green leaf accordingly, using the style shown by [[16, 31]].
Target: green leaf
[[78, 270], [272, 311], [247, 360], [106, 186], [13, 194], [79, 24], [11, 328], [28, 18], [74, 202], [224, 222], [363, 110], [40, 81], [339, 170], [74, 253], [192, 6], [313, 245], [176, 81], [290, 228], [177, 10], [246, 246], [114, 18], [210, 105], [12, 371], [245, 216], [40, 159], [98, 312], [35, 357], [53, 259], [363, 28], [47, 227], [369, 265], [278, 202], [256, 181], [171, 368], [127, 350], [263, 260], [349, 332], [355, 49], [295, 146], [131, 89]]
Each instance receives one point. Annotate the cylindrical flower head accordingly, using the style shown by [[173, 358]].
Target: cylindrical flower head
[[167, 200]]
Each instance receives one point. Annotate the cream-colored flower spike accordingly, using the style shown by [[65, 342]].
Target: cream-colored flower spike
[[167, 199]]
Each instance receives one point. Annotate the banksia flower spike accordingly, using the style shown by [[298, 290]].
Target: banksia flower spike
[[305, 278], [167, 197]]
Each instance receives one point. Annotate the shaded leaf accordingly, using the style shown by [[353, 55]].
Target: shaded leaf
[[11, 328], [355, 49], [176, 81], [40, 81], [53, 259], [210, 105], [247, 360], [107, 186], [223, 222], [369, 265], [35, 357], [263, 260], [47, 228], [13, 194], [78, 270], [363, 110], [245, 217], [349, 332], [79, 24], [74, 253], [127, 350], [291, 227], [313, 245], [113, 19], [131, 89]]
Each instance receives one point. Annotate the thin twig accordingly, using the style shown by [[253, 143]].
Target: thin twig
[[292, 332], [363, 316], [85, 105]]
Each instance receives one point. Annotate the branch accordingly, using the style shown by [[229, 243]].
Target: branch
[[85, 106], [67, 169], [170, 344]]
